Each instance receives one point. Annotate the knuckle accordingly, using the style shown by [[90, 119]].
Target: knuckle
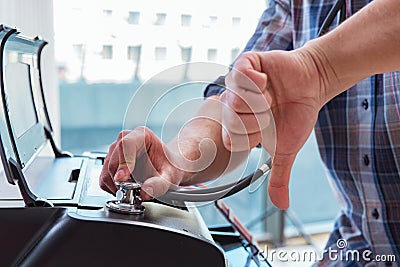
[[119, 146], [141, 129], [227, 141], [111, 148], [236, 102], [244, 57], [111, 171], [255, 139], [248, 54], [251, 57], [237, 125], [229, 126], [237, 75], [148, 135], [123, 133], [122, 155], [145, 132], [223, 96], [261, 121], [106, 160], [103, 185]]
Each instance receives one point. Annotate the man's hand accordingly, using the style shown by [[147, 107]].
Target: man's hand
[[276, 98], [141, 153], [195, 155]]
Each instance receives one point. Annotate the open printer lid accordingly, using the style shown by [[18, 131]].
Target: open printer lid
[[25, 127]]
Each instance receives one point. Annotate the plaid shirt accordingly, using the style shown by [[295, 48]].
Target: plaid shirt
[[358, 134]]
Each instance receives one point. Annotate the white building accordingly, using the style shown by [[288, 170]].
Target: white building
[[114, 41]]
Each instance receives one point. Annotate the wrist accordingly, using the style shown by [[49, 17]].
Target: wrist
[[190, 156], [317, 61]]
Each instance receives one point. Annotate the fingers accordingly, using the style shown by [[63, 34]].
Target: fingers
[[121, 157], [106, 181], [142, 146], [128, 149], [243, 128], [240, 142], [244, 123], [243, 101], [246, 110], [278, 187], [248, 121], [247, 74]]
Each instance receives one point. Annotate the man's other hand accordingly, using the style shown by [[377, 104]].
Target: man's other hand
[[276, 98]]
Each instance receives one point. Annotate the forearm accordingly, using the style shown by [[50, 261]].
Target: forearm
[[198, 149], [364, 45]]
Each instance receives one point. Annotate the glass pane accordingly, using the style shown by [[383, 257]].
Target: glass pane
[[134, 53], [236, 21], [212, 54], [186, 20], [234, 53], [133, 17], [186, 54], [107, 12], [107, 52], [160, 53], [160, 19], [213, 19]]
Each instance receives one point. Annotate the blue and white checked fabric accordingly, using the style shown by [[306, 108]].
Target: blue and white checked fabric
[[358, 134]]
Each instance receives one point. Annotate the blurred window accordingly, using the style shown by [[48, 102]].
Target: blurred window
[[133, 17]]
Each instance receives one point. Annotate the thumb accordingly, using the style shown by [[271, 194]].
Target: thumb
[[278, 187]]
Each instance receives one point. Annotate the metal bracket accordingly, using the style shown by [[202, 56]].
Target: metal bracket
[[128, 199]]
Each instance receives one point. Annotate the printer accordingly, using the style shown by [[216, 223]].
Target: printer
[[63, 221]]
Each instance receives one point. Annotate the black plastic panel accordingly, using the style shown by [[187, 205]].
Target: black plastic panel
[[50, 237], [21, 228]]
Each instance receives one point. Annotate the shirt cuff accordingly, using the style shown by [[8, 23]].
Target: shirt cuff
[[215, 88]]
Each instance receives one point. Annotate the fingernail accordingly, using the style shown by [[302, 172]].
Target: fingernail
[[119, 175]]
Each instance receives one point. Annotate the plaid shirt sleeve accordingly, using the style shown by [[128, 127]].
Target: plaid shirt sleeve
[[273, 32], [358, 134]]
